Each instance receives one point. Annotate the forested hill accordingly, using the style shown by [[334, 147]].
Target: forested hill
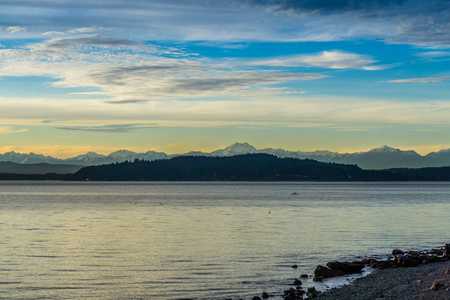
[[248, 167]]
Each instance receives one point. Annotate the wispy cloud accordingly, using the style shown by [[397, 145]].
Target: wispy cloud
[[9, 130], [434, 54], [324, 7], [418, 22], [326, 59], [126, 71], [15, 29], [272, 111], [419, 80], [126, 101], [85, 30], [53, 33], [89, 40], [119, 128]]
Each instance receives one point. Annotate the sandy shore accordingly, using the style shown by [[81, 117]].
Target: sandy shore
[[398, 284]]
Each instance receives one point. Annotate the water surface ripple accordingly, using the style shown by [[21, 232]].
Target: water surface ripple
[[201, 240]]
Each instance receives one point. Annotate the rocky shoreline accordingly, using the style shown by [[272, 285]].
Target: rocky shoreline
[[404, 275], [425, 282]]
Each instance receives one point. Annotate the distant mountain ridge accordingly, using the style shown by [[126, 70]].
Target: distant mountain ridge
[[379, 158]]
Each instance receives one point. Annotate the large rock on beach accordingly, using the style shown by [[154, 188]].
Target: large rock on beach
[[436, 251], [322, 272], [368, 261], [409, 261], [346, 267], [312, 292], [382, 264], [397, 252], [446, 252]]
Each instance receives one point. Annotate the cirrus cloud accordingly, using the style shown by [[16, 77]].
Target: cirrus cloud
[[419, 80], [326, 59], [115, 128], [418, 22], [10, 130], [126, 71]]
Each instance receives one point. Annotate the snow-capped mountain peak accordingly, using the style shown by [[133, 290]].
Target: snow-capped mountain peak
[[122, 154], [89, 155], [241, 148], [384, 149]]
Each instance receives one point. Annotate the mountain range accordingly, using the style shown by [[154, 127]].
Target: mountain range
[[379, 158]]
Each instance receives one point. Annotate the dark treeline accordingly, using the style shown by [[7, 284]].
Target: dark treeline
[[48, 176], [423, 174], [249, 167]]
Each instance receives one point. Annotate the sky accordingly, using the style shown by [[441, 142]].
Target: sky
[[179, 76]]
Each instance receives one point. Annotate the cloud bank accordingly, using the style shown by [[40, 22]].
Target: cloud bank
[[125, 71], [418, 22]]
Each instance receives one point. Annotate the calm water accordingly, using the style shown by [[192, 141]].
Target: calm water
[[201, 240]]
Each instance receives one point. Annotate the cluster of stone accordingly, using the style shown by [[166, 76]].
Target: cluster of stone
[[298, 292], [336, 268], [398, 259]]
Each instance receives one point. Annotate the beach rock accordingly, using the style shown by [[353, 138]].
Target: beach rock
[[265, 295], [289, 291], [399, 258], [322, 272], [436, 252], [368, 261], [414, 254], [383, 264], [436, 286], [446, 252], [397, 251], [312, 292], [410, 262], [293, 294], [346, 267], [294, 267], [440, 259], [297, 282], [256, 298], [304, 276]]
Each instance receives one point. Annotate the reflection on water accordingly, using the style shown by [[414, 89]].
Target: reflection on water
[[201, 240]]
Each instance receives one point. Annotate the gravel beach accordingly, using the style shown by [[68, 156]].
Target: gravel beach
[[398, 284]]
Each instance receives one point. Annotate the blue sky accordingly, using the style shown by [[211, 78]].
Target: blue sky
[[176, 76]]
